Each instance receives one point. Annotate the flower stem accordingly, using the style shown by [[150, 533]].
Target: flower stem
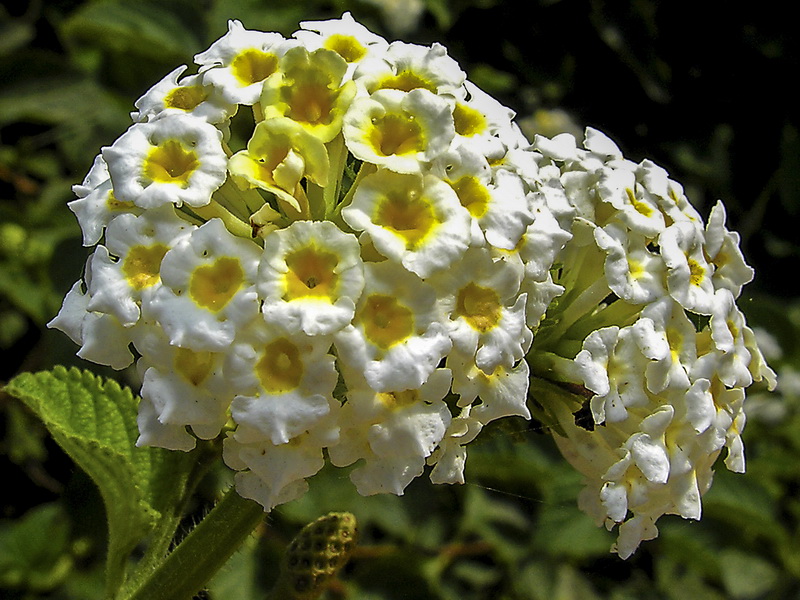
[[188, 568]]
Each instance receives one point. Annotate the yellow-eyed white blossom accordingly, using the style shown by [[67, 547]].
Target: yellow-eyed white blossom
[[397, 336], [310, 89], [310, 277], [283, 383], [413, 220], [399, 130], [237, 64], [174, 94], [208, 288], [138, 245], [174, 159]]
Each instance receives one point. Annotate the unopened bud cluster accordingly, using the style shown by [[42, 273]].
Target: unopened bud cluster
[[315, 556]]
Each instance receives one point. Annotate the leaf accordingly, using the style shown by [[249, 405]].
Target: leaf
[[565, 531], [747, 576], [34, 551], [145, 29], [94, 421]]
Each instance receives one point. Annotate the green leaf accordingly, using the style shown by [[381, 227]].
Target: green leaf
[[34, 551], [94, 421], [146, 29], [747, 576]]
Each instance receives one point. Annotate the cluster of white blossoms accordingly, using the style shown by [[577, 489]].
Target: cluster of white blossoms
[[330, 245], [648, 324]]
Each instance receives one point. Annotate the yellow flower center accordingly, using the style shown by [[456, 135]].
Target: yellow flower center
[[170, 162], [266, 164], [311, 274], [468, 121], [407, 215], [185, 98], [474, 196], [346, 46], [113, 204], [142, 264], [213, 286], [310, 102], [675, 341], [405, 81], [636, 269], [641, 207], [733, 328], [396, 134], [253, 65], [479, 306], [398, 400], [386, 321], [696, 272], [280, 369], [194, 367]]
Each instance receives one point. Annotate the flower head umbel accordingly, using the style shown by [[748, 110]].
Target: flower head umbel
[[377, 265]]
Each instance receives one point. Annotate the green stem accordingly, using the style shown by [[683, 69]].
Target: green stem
[[188, 568], [550, 366], [233, 224], [201, 459], [338, 154]]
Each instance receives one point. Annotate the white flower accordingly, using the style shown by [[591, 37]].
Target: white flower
[[503, 392], [689, 274], [279, 155], [399, 130], [450, 456], [614, 368], [310, 277], [486, 312], [730, 356], [187, 95], [397, 338], [102, 338], [273, 474], [495, 201], [284, 383], [668, 338], [208, 288], [138, 245], [483, 121], [638, 208], [152, 432], [722, 248], [97, 207], [410, 67], [181, 387], [238, 63], [310, 88], [633, 272], [416, 221], [174, 159], [348, 38], [394, 432]]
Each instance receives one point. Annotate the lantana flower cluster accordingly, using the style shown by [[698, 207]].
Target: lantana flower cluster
[[332, 247], [648, 325]]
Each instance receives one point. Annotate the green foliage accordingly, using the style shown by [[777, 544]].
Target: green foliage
[[94, 421], [34, 551]]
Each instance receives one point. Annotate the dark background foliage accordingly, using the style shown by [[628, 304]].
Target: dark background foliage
[[699, 87]]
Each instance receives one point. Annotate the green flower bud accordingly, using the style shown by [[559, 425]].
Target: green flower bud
[[315, 556]]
